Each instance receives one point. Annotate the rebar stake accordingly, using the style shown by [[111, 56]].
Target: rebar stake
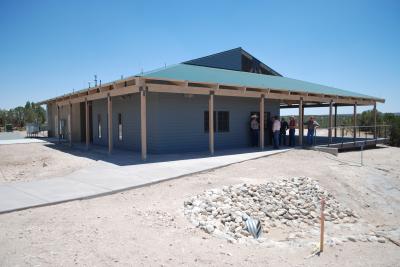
[[321, 244]]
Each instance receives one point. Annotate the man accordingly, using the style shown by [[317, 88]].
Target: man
[[284, 127], [276, 128], [254, 128], [312, 124], [292, 131]]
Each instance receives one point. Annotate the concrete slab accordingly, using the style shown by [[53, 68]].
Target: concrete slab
[[58, 189], [21, 141], [107, 178], [12, 199]]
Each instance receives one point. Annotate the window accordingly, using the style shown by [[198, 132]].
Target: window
[[221, 121], [119, 126], [206, 122], [99, 125]]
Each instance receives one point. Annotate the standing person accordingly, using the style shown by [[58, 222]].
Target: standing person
[[311, 125], [254, 128], [269, 130], [276, 128], [284, 127], [292, 131]]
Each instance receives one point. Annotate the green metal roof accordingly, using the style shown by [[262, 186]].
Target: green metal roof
[[193, 73]]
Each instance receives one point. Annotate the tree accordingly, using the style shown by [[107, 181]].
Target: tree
[[19, 116]]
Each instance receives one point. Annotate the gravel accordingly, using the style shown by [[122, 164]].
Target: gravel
[[291, 202]]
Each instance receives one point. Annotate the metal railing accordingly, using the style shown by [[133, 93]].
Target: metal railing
[[347, 134]]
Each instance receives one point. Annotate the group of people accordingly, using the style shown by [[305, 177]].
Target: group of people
[[279, 129]]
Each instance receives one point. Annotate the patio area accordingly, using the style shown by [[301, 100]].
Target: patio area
[[119, 171]]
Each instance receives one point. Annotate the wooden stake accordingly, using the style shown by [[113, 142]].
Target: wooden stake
[[321, 244]]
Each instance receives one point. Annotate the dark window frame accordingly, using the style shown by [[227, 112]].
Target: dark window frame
[[221, 121]]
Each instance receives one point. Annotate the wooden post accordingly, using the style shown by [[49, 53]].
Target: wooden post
[[335, 121], [330, 122], [262, 122], [355, 121], [301, 123], [87, 123], [110, 125], [375, 114], [70, 124], [58, 124], [321, 244], [143, 119], [211, 122]]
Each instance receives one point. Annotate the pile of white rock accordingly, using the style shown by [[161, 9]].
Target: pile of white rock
[[291, 202]]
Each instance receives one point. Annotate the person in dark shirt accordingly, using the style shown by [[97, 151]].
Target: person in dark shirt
[[312, 124], [284, 127], [292, 131]]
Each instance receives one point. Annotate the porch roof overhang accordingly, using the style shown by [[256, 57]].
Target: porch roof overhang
[[190, 79]]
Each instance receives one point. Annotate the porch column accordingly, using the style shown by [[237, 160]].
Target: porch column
[[355, 121], [70, 124], [301, 124], [375, 114], [335, 120], [110, 125], [87, 123], [262, 122], [143, 120], [211, 122], [58, 124], [330, 122]]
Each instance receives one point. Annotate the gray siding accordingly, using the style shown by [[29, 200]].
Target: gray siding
[[76, 122], [176, 123], [129, 108], [99, 107]]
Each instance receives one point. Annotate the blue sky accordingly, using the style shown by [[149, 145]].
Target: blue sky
[[48, 48]]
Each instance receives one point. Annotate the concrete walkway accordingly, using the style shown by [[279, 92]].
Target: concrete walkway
[[107, 178], [21, 141]]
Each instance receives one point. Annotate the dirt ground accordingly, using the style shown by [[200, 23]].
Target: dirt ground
[[26, 162], [146, 226]]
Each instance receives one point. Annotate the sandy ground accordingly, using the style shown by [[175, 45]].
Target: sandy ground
[[26, 162], [146, 226]]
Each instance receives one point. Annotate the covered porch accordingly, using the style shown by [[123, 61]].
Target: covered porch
[[194, 80]]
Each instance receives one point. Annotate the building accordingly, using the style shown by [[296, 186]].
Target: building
[[200, 104]]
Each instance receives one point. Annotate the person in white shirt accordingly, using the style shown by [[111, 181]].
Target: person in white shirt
[[276, 129], [255, 129]]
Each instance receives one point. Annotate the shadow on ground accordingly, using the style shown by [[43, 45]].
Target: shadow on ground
[[128, 157]]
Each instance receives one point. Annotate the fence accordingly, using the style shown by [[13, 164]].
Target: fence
[[351, 136]]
